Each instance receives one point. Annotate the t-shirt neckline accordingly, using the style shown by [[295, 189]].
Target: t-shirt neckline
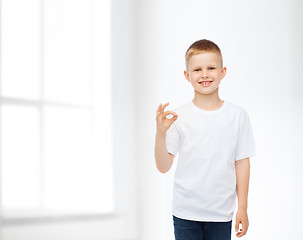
[[197, 109]]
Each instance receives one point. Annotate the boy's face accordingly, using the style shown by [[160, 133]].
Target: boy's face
[[205, 66]]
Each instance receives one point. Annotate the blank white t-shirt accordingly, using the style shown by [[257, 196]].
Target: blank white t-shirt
[[206, 145]]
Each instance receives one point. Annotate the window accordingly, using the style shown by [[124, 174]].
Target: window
[[55, 126]]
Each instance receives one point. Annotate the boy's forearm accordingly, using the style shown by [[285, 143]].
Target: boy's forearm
[[161, 153], [242, 176]]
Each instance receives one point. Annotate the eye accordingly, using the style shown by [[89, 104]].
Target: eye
[[196, 70], [211, 68]]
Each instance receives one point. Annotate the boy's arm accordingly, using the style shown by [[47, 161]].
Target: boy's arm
[[164, 160], [242, 177]]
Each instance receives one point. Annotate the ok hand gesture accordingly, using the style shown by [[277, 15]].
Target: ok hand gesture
[[163, 123]]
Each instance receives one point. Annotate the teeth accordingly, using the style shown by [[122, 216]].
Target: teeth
[[205, 83]]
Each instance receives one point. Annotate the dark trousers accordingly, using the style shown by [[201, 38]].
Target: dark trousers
[[195, 230]]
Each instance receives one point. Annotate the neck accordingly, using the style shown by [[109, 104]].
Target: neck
[[207, 101]]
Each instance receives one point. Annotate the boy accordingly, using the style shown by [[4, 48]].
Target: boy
[[214, 140]]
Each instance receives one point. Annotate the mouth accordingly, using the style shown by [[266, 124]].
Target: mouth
[[205, 83]]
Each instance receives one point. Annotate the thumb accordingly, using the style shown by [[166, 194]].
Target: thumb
[[174, 118], [237, 225]]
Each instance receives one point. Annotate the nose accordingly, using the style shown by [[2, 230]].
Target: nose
[[204, 74]]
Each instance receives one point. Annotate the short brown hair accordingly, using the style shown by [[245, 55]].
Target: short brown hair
[[200, 46]]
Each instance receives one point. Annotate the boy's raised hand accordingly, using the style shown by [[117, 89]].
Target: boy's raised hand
[[163, 123]]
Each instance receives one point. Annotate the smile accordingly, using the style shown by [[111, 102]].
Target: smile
[[205, 83]]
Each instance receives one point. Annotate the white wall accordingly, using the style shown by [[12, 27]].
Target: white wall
[[262, 50], [124, 115]]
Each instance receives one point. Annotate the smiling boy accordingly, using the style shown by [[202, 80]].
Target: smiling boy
[[214, 141]]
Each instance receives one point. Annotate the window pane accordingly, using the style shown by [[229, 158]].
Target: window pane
[[67, 50], [68, 159], [20, 170], [102, 106], [103, 164], [66, 44], [20, 48]]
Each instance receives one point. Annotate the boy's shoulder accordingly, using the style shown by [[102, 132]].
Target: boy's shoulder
[[236, 107]]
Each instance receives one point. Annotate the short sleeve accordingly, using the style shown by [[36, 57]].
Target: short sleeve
[[172, 139], [246, 143]]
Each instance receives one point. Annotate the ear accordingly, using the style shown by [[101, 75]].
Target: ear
[[223, 72], [186, 74]]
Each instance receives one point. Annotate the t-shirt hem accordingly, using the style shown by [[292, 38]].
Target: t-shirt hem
[[194, 218], [248, 155], [172, 152]]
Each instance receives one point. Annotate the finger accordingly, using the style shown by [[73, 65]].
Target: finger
[[172, 119], [242, 231], [170, 113], [158, 115], [164, 106], [237, 225], [244, 228], [158, 111], [240, 234], [159, 108]]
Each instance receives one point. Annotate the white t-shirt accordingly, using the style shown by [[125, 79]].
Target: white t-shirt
[[206, 145]]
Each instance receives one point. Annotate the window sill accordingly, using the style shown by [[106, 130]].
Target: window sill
[[56, 217], [92, 226]]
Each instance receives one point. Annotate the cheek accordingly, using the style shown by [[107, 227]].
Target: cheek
[[194, 75], [217, 75]]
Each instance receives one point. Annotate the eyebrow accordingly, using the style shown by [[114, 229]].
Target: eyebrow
[[210, 65]]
